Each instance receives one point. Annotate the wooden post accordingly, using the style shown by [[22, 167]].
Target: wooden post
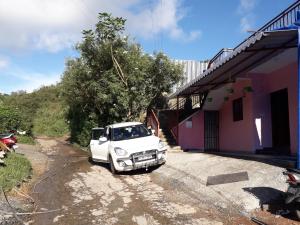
[[177, 114]]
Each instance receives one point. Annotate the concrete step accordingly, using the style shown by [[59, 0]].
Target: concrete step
[[174, 148]]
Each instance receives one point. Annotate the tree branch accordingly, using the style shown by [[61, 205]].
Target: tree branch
[[118, 67]]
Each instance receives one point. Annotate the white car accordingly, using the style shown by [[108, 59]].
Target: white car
[[127, 146]]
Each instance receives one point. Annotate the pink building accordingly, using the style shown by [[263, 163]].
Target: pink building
[[248, 97]]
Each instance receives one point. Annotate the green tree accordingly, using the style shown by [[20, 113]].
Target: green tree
[[113, 80], [9, 119]]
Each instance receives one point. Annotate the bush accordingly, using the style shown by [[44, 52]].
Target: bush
[[16, 169], [50, 121], [25, 139]]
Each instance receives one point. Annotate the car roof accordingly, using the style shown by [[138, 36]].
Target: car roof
[[98, 128], [124, 124]]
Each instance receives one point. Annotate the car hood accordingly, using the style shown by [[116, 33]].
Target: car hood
[[137, 144]]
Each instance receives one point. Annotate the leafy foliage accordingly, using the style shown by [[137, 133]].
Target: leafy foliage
[[25, 139], [41, 111], [50, 120], [113, 80], [9, 118], [17, 168]]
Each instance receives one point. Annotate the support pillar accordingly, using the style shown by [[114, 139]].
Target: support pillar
[[177, 115], [298, 102]]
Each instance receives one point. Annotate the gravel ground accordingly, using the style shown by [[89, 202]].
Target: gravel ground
[[39, 162], [82, 192]]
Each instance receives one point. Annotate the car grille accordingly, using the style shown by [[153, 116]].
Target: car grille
[[143, 156]]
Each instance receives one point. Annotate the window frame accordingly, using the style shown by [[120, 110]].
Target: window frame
[[237, 109]]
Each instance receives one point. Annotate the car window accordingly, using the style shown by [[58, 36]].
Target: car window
[[97, 133], [129, 132]]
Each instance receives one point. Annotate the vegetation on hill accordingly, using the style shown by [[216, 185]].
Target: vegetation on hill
[[38, 113]]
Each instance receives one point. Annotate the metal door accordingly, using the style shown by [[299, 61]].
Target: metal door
[[211, 130]]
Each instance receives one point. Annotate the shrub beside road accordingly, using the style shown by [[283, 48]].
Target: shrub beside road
[[16, 169]]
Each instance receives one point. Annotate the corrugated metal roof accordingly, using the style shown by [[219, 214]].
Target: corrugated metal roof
[[254, 51], [191, 69]]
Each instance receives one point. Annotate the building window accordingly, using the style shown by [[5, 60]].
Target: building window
[[189, 123], [237, 109]]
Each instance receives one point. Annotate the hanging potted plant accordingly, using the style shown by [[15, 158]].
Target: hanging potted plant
[[248, 89], [230, 91], [226, 98], [209, 99]]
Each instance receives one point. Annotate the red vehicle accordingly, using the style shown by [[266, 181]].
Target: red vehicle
[[9, 140]]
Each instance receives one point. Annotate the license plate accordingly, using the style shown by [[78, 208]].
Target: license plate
[[141, 158]]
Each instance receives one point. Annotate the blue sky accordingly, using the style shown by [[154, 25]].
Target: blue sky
[[35, 42]]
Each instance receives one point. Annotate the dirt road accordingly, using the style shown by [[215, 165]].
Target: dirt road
[[82, 192], [87, 193]]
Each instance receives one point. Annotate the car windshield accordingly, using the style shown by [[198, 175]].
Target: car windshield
[[129, 132]]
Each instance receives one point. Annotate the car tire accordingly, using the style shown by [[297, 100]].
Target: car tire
[[112, 166]]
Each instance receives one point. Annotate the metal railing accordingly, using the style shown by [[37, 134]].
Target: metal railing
[[196, 100], [283, 19], [152, 121]]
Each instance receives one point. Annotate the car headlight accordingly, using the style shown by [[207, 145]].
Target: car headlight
[[161, 145], [120, 151]]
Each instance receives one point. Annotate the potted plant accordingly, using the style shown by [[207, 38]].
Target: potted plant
[[248, 89], [230, 91]]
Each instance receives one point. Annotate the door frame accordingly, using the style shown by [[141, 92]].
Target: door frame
[[274, 144], [206, 132]]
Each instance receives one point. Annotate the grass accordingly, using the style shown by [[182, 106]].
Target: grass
[[25, 139], [50, 121], [16, 169]]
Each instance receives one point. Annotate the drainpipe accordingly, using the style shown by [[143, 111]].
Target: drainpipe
[[298, 107]]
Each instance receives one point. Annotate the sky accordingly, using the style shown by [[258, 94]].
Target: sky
[[38, 36]]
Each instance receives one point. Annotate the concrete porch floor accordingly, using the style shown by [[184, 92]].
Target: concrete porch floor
[[191, 171], [276, 160]]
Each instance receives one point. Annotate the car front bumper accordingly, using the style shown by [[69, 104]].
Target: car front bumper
[[127, 164]]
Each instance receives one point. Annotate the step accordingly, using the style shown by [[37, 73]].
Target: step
[[174, 149]]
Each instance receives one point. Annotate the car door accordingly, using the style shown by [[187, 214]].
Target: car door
[[99, 149], [96, 134]]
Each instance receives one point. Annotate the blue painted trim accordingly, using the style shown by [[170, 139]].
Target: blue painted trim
[[298, 107]]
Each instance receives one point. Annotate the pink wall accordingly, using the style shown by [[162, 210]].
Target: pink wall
[[238, 135], [264, 84], [192, 138], [243, 135]]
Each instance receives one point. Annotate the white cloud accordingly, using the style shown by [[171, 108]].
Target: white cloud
[[3, 63], [245, 10], [57, 24], [247, 23], [246, 6], [28, 81], [162, 16]]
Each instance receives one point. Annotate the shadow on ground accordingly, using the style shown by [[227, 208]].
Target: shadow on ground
[[273, 201]]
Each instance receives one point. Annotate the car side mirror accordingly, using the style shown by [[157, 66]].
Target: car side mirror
[[152, 131], [103, 139]]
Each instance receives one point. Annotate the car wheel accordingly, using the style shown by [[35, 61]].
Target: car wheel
[[112, 166]]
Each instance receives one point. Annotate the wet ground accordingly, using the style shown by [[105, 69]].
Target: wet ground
[[73, 190]]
